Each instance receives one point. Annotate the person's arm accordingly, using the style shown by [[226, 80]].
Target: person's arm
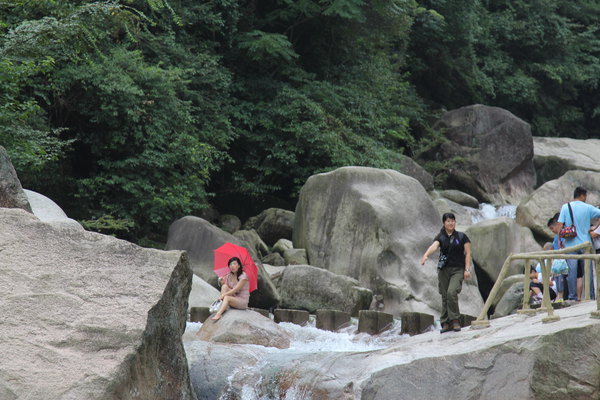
[[467, 260], [434, 246], [235, 289]]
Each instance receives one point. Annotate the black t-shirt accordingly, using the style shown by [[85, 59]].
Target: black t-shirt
[[453, 247]]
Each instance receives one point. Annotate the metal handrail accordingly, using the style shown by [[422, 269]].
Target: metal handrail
[[543, 257]]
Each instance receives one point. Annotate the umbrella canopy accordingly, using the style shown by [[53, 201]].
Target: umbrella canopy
[[224, 253]]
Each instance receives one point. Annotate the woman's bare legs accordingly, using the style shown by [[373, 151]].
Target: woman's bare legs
[[228, 301]]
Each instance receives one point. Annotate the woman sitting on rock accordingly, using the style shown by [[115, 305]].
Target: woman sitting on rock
[[453, 267], [235, 288]]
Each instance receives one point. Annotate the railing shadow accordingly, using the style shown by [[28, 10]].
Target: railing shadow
[[545, 259]]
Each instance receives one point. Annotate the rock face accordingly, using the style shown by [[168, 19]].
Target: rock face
[[553, 157], [244, 327], [498, 151], [199, 238], [460, 197], [48, 211], [272, 224], [309, 288], [11, 191], [88, 316], [373, 225], [492, 241], [535, 210]]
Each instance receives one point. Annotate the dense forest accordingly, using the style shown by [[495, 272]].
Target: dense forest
[[133, 113]]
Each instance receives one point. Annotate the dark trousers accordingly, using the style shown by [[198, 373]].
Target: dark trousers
[[450, 281]]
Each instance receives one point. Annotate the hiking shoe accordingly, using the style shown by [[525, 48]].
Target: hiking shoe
[[455, 325], [445, 327]]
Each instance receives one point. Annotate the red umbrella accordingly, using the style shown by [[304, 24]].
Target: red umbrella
[[224, 253]]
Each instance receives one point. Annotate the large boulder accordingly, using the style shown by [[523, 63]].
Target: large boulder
[[553, 157], [492, 241], [199, 238], [373, 225], [408, 166], [244, 327], [252, 240], [272, 224], [48, 211], [536, 209], [310, 288], [11, 191], [203, 294], [88, 316], [459, 197], [496, 149]]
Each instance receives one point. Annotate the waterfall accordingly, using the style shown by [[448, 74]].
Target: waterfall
[[488, 211]]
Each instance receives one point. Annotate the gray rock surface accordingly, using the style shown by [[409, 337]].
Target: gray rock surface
[[535, 210], [229, 223], [553, 157], [244, 327], [309, 288], [88, 316], [199, 238], [461, 198], [11, 191], [511, 300], [295, 257], [410, 167], [202, 293], [497, 152], [274, 259], [48, 211], [282, 245], [272, 224], [492, 241], [373, 225]]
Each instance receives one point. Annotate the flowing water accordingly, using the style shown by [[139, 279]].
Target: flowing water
[[306, 342], [489, 211]]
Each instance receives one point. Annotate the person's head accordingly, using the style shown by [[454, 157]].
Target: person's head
[[235, 266], [553, 224], [449, 221], [580, 193]]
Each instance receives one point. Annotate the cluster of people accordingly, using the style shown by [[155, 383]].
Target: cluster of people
[[569, 281], [566, 280]]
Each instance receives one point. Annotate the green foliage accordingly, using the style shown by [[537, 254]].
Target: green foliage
[[107, 224]]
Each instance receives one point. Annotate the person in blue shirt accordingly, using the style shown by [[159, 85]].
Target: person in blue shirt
[[583, 214]]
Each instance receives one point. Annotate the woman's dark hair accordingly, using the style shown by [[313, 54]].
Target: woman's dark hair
[[241, 269], [448, 216]]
